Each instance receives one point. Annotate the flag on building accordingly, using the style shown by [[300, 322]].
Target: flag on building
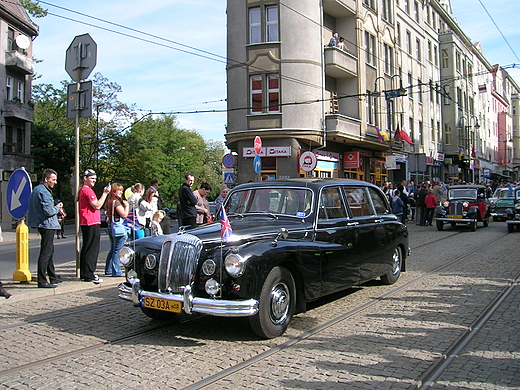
[[398, 134], [225, 226], [404, 136], [461, 152], [382, 135]]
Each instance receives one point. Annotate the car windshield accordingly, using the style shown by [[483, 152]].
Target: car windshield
[[288, 201], [462, 193], [504, 193]]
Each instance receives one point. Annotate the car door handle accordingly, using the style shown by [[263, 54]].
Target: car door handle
[[379, 220], [352, 223]]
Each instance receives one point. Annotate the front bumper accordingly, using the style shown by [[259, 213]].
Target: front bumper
[[498, 215], [458, 220], [131, 291]]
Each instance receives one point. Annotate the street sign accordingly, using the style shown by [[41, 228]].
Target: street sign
[[229, 178], [18, 193], [81, 57], [257, 164], [229, 161], [258, 145], [79, 100], [308, 161]]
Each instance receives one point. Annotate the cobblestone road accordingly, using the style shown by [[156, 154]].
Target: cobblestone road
[[389, 344]]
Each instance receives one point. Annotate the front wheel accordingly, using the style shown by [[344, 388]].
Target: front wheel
[[397, 261], [276, 306], [440, 225], [486, 222], [473, 225]]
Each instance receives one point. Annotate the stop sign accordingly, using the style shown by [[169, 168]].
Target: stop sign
[[81, 57], [258, 145]]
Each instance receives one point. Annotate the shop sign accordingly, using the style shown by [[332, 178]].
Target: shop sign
[[351, 160], [325, 155], [268, 151]]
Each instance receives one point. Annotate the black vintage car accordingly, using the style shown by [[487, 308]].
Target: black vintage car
[[513, 213], [465, 204], [293, 241]]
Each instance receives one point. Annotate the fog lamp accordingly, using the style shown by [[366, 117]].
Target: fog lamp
[[212, 287]]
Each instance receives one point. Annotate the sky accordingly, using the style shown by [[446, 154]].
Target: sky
[[158, 78]]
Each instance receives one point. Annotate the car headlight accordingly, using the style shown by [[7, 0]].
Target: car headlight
[[126, 256], [446, 204], [235, 265], [465, 204], [517, 206], [212, 287]]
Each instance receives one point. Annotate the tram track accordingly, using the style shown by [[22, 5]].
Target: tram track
[[254, 359]]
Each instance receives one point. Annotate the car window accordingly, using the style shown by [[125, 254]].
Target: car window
[[379, 202], [331, 204], [462, 193], [358, 201], [295, 201], [504, 193]]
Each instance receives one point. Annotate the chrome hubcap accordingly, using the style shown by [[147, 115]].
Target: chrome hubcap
[[280, 301]]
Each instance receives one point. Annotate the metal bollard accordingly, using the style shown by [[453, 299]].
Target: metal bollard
[[22, 273]]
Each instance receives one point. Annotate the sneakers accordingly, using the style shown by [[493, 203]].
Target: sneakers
[[96, 280]]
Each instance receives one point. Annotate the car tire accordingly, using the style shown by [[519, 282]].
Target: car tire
[[440, 225], [510, 228], [276, 304], [473, 225], [486, 222], [397, 261], [157, 314], [495, 219]]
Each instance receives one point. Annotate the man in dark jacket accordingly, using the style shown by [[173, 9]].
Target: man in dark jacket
[[421, 207], [187, 212]]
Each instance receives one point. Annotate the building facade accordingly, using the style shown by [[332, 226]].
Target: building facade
[[16, 70], [404, 99]]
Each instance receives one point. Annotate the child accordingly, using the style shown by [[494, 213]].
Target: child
[[155, 225]]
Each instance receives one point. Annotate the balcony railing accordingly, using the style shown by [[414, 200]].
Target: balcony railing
[[339, 8], [340, 64], [343, 126], [19, 110], [19, 61]]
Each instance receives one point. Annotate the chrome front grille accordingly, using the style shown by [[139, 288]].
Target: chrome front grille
[[178, 262], [456, 208]]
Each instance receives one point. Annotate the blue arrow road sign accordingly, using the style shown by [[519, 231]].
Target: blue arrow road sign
[[257, 164], [18, 193]]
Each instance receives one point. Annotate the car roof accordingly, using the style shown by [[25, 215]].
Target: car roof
[[304, 183], [475, 186]]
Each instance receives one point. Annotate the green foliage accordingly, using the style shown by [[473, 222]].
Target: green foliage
[[34, 8]]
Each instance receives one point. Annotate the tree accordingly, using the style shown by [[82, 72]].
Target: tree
[[34, 8]]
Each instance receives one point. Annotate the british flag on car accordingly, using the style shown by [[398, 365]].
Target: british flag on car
[[225, 231], [131, 221]]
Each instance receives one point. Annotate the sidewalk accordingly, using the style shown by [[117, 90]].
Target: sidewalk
[[67, 271]]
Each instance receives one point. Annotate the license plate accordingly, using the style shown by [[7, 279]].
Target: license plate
[[455, 216], [162, 304]]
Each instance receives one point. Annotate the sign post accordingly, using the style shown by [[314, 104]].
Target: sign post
[[80, 60], [18, 194], [257, 161]]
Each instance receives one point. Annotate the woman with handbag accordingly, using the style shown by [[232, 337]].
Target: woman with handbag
[[117, 210]]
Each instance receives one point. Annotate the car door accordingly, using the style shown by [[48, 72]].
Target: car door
[[372, 236], [336, 234]]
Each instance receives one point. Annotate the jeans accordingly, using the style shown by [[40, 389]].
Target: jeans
[[89, 251], [112, 265], [45, 259]]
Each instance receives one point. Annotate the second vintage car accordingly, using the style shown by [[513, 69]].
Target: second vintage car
[[513, 213], [465, 204], [292, 242], [502, 200]]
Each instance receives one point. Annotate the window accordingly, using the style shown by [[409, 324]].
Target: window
[[445, 59], [438, 131], [270, 21], [259, 95], [358, 201], [410, 86], [408, 42], [379, 202], [387, 10], [407, 6], [20, 90], [458, 61], [331, 204], [410, 125], [9, 147], [418, 55], [430, 51], [370, 3], [11, 45], [389, 58], [447, 95], [435, 55], [432, 130], [271, 24], [255, 25], [420, 90], [416, 11], [447, 134], [370, 48], [371, 109], [9, 88], [398, 33], [20, 140], [421, 136]]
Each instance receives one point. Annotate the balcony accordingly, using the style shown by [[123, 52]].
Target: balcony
[[339, 8], [13, 160], [340, 126], [19, 61], [340, 64], [18, 110]]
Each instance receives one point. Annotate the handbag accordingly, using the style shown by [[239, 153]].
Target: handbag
[[116, 228]]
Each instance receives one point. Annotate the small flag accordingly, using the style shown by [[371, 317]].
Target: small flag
[[225, 226], [379, 134], [131, 221], [382, 134], [461, 152], [398, 134], [404, 136]]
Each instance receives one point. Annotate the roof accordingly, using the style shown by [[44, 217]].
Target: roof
[[16, 14]]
